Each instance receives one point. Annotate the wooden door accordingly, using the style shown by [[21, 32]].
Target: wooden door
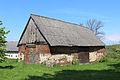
[[84, 57], [30, 55]]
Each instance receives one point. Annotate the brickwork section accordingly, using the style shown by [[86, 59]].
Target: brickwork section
[[21, 51], [32, 54], [42, 49]]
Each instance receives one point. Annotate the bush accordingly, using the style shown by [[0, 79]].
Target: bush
[[56, 65], [113, 51], [43, 63], [104, 59], [76, 61], [11, 61]]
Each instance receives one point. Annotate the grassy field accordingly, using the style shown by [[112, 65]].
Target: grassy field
[[97, 71]]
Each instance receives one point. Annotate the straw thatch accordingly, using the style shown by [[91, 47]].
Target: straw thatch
[[57, 33]]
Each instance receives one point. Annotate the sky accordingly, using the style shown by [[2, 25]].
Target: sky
[[15, 13]]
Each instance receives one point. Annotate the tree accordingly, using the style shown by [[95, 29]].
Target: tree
[[2, 42], [95, 27]]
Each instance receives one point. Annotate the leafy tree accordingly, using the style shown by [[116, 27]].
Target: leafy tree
[[2, 42]]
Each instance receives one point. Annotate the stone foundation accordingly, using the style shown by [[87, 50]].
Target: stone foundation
[[35, 54], [95, 57], [60, 59]]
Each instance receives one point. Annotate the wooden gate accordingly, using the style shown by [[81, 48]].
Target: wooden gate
[[84, 57]]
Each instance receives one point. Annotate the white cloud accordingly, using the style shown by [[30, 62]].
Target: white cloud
[[112, 39]]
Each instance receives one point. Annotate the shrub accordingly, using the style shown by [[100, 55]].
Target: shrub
[[17, 60], [113, 52], [43, 63], [11, 61], [76, 61], [56, 65], [104, 59]]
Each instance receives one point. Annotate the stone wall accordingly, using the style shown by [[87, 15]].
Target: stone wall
[[84, 54], [60, 59], [96, 55], [92, 56], [81, 53], [60, 55]]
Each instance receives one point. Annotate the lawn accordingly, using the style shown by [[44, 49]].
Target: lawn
[[97, 71]]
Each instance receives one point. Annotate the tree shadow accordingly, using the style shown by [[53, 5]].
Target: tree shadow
[[116, 67], [79, 75], [7, 67]]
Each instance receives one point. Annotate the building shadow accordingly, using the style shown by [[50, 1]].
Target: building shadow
[[79, 75], [7, 67]]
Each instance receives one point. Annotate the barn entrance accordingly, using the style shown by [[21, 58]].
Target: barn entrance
[[30, 54], [84, 57]]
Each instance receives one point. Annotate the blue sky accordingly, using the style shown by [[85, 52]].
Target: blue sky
[[15, 14]]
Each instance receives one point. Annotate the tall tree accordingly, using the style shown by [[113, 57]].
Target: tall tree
[[2, 42], [95, 26]]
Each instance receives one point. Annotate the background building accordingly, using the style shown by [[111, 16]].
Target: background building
[[12, 50]]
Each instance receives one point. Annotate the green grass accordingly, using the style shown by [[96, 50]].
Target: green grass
[[97, 71]]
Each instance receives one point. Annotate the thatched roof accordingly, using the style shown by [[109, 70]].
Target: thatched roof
[[11, 46], [60, 33]]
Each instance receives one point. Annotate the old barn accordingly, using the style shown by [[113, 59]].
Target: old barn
[[57, 42]]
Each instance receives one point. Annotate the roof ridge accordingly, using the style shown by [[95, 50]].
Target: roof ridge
[[58, 20]]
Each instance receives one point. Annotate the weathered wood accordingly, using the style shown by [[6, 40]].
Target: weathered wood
[[31, 35]]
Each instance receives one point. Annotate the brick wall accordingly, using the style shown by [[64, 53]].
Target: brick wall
[[21, 51], [32, 53], [42, 49]]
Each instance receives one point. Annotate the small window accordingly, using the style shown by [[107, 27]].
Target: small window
[[11, 56]]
